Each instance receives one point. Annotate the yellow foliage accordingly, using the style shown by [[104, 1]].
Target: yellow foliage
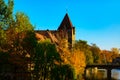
[[77, 60]]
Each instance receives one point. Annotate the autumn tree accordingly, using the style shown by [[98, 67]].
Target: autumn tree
[[106, 56], [6, 13], [115, 50], [95, 52], [21, 42], [46, 59], [77, 61], [17, 38], [73, 57], [53, 62], [84, 47], [6, 18]]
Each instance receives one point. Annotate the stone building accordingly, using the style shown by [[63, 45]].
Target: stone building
[[65, 31]]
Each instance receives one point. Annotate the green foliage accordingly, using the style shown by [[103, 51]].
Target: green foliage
[[45, 57], [19, 47], [22, 23], [48, 63], [62, 72], [74, 58], [6, 16], [2, 37], [95, 52], [19, 41], [92, 53], [17, 38], [6, 19], [83, 46], [20, 36], [89, 57]]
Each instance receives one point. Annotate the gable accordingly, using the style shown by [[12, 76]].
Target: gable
[[66, 23]]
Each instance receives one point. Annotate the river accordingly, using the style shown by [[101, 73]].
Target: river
[[101, 74], [116, 74]]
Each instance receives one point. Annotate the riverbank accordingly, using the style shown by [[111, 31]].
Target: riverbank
[[101, 74]]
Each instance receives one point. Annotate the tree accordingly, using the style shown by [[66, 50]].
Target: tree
[[95, 52], [84, 47], [106, 56], [115, 50], [17, 37], [6, 13], [75, 58], [25, 32], [21, 34], [22, 23], [77, 61], [45, 60], [2, 38], [6, 19]]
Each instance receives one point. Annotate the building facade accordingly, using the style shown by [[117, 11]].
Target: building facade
[[64, 31]]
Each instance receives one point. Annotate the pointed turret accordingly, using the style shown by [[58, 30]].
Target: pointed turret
[[66, 23], [66, 28]]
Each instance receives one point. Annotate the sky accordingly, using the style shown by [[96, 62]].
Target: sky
[[96, 21]]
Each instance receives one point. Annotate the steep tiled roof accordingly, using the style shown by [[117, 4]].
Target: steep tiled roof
[[66, 23], [43, 35]]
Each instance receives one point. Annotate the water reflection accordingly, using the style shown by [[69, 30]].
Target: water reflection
[[95, 74], [101, 74], [116, 74]]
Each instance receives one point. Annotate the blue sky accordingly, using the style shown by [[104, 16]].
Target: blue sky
[[96, 21]]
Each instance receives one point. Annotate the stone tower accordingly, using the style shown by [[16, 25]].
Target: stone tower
[[68, 30]]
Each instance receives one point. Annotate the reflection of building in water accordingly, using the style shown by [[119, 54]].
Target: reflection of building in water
[[64, 31]]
